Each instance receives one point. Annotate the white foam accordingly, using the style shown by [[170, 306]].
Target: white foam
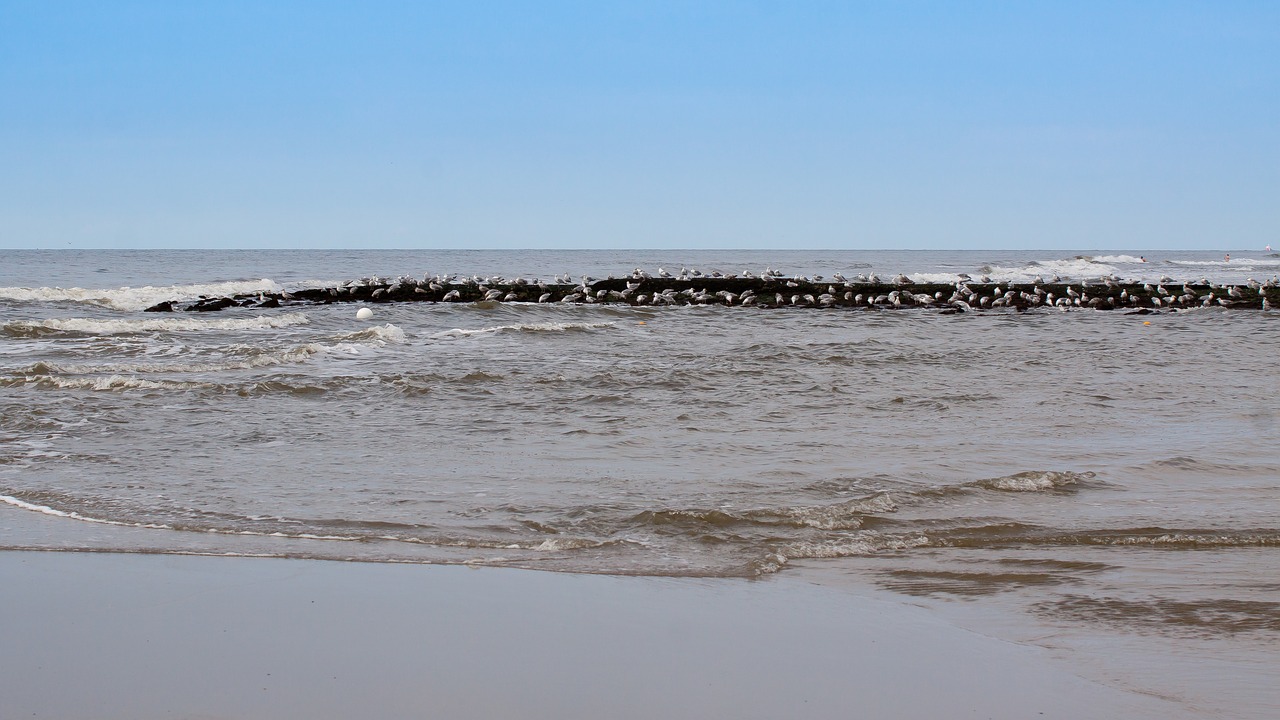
[[105, 383], [570, 543], [1128, 259], [46, 510], [934, 278], [1237, 264], [160, 324], [377, 335], [129, 298], [268, 359], [528, 327], [1033, 481], [845, 516], [1075, 268], [71, 515], [116, 376], [864, 544]]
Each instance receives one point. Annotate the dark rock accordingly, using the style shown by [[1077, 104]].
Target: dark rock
[[211, 305]]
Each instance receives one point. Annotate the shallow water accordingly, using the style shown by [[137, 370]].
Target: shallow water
[[1080, 467]]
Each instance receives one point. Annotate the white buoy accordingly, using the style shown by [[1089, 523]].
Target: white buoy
[[364, 314]]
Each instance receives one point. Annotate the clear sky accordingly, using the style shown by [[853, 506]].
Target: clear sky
[[1072, 125]]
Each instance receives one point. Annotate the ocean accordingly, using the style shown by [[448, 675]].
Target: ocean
[[1073, 474]]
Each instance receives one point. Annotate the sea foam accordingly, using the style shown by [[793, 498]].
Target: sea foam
[[92, 326], [133, 299], [527, 327]]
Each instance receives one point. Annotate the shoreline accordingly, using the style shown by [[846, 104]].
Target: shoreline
[[105, 635]]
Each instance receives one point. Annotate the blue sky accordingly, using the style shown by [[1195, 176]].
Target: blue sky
[[1082, 125]]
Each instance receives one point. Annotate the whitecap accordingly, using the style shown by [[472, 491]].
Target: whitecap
[[376, 336], [102, 383], [1034, 481], [527, 327], [1128, 259], [132, 299], [93, 326], [1075, 268]]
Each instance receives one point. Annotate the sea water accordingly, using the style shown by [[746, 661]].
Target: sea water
[[1089, 473]]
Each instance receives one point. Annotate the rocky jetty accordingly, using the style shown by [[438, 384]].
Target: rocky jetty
[[767, 290]]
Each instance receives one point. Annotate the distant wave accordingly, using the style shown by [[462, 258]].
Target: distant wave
[[922, 277], [122, 376], [133, 299], [90, 326], [1237, 264], [527, 327], [106, 383], [1075, 268], [1129, 259]]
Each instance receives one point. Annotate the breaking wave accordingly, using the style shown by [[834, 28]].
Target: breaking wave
[[133, 299], [1073, 269], [122, 376], [107, 383], [842, 516], [525, 327], [1034, 481], [377, 336], [1111, 259], [90, 326]]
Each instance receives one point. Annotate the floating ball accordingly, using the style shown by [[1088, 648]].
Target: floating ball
[[364, 314]]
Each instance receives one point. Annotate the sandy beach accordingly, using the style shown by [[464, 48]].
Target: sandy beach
[[95, 635]]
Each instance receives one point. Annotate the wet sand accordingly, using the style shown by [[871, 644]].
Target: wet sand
[[100, 636]]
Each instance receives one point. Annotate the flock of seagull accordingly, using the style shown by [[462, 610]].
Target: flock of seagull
[[777, 289]]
